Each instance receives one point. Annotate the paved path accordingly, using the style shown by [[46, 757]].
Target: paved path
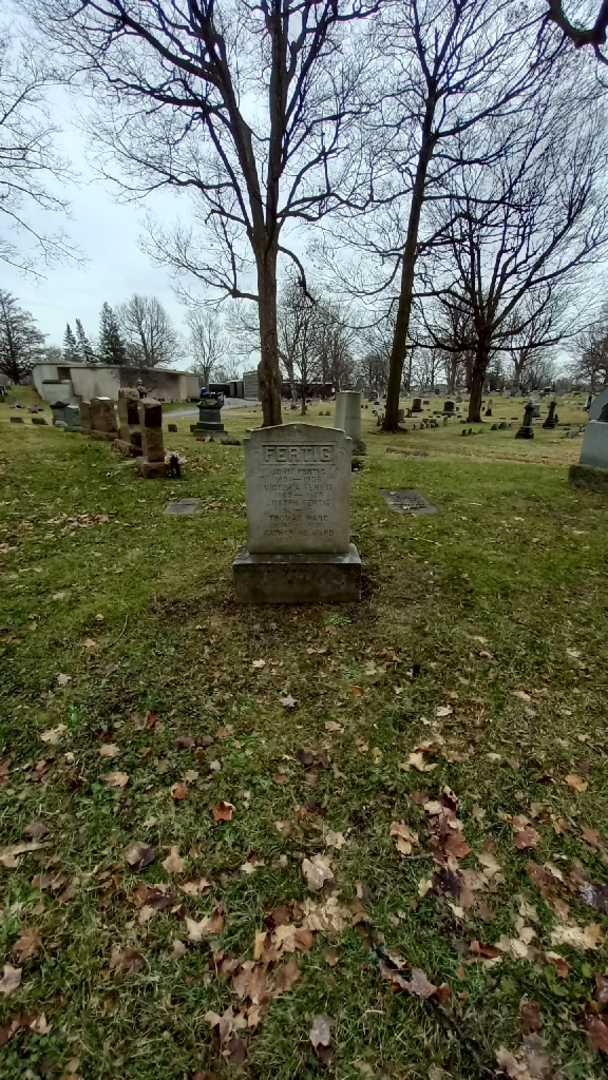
[[229, 403]]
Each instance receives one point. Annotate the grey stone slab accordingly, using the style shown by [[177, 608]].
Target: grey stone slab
[[598, 403], [298, 484], [297, 579], [594, 451], [183, 507], [408, 502]]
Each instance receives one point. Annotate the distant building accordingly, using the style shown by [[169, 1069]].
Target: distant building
[[77, 382]]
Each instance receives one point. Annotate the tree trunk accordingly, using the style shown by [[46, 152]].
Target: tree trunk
[[406, 288], [478, 377], [268, 368]]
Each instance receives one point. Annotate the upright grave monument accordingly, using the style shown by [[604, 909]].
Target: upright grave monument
[[103, 419], [348, 417], [129, 439], [298, 484], [85, 417], [151, 426], [526, 431], [71, 416], [592, 470], [209, 417]]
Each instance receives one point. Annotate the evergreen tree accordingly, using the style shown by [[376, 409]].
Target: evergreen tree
[[70, 348], [111, 346], [85, 349], [20, 339]]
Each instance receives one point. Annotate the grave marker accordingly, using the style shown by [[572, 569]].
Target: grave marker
[[151, 425]]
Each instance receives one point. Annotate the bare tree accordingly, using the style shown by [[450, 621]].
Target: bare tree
[[208, 343], [594, 34], [451, 64], [249, 106], [525, 227], [590, 362], [29, 164], [149, 335], [299, 315]]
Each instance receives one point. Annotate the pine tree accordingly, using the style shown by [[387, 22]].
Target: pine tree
[[70, 348], [111, 346], [20, 339], [85, 349]]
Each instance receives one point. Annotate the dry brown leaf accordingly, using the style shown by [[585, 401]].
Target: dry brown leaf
[[526, 838], [335, 839], [597, 1030], [417, 761], [286, 976], [223, 811], [578, 937], [36, 830], [10, 980], [320, 1035], [405, 837], [211, 924], [27, 945], [420, 986], [317, 872], [139, 856], [576, 782], [174, 864], [456, 845], [39, 1025], [109, 750], [530, 1017], [8, 855], [126, 961], [195, 888], [179, 792], [592, 837], [116, 779], [53, 736]]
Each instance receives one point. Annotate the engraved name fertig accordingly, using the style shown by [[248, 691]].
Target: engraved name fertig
[[311, 454]]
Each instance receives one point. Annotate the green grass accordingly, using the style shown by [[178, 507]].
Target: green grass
[[495, 606]]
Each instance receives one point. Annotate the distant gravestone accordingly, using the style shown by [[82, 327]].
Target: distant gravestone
[[39, 421], [16, 419], [348, 416], [152, 463], [417, 405], [172, 427], [526, 430], [209, 417], [85, 417], [71, 416], [129, 439], [551, 419], [597, 404], [408, 502], [298, 482], [58, 410], [183, 507], [103, 418], [449, 407]]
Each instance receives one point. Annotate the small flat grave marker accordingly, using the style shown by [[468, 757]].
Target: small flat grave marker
[[408, 502], [183, 507]]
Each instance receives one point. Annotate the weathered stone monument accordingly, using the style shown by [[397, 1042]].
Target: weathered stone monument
[[592, 471], [129, 439], [298, 484], [551, 418], [526, 430], [348, 417], [449, 408], [417, 404], [58, 410], [71, 416], [85, 417], [209, 417], [597, 404], [151, 426], [103, 419]]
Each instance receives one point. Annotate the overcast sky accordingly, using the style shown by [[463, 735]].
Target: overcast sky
[[107, 233]]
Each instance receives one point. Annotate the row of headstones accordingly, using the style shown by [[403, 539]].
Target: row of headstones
[[137, 431]]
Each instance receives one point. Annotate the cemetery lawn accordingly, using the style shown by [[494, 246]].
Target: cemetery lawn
[[437, 753]]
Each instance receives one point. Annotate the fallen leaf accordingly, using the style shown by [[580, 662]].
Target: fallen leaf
[[316, 872], [211, 924], [286, 976], [335, 839], [109, 750], [116, 779], [597, 1030], [195, 888], [578, 937], [592, 837], [126, 961], [443, 710], [179, 792], [63, 680], [320, 1035], [174, 864], [456, 845], [53, 736], [417, 761], [420, 986], [596, 896], [223, 811], [259, 664], [529, 1017], [288, 702], [576, 782], [40, 1025], [526, 838], [8, 855], [36, 830], [139, 856], [10, 980], [27, 945], [406, 838]]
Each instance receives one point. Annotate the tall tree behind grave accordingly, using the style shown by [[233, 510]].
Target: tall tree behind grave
[[70, 348], [21, 341], [86, 354], [148, 331], [111, 346], [249, 107]]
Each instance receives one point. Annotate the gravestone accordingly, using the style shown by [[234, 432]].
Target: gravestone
[[551, 419], [526, 430], [209, 417], [183, 507], [348, 417], [58, 410], [129, 439], [71, 415], [417, 404], [16, 419], [592, 471], [152, 463], [172, 427], [535, 410], [39, 420], [103, 419], [408, 502], [449, 408], [85, 417], [298, 483], [597, 404]]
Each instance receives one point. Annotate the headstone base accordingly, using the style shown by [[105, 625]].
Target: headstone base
[[151, 469], [206, 427], [127, 448], [587, 476], [297, 579], [525, 433]]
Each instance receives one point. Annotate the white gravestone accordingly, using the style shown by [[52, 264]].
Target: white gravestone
[[348, 413], [598, 404], [298, 481]]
